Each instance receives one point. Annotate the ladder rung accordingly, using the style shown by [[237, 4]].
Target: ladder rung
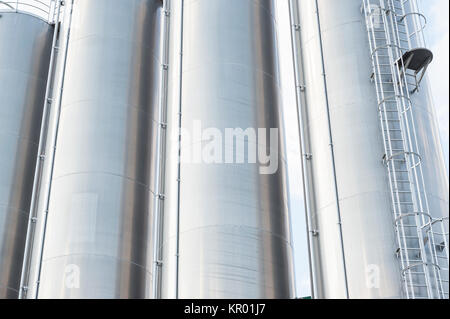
[[416, 273], [417, 286]]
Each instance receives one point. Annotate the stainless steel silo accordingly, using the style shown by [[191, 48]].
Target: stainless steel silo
[[226, 226], [352, 223], [25, 45], [98, 237]]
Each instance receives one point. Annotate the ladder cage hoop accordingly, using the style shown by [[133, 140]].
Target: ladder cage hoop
[[419, 15], [42, 9], [411, 267], [398, 219]]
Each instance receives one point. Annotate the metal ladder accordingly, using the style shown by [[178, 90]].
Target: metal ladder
[[391, 38]]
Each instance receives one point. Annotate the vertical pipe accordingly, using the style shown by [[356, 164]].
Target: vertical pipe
[[39, 163], [59, 89], [162, 135], [330, 135], [180, 109], [305, 154]]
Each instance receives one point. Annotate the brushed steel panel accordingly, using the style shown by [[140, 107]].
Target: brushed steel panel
[[25, 43], [234, 231], [101, 203]]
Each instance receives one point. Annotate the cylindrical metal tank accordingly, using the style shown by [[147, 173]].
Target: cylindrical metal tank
[[351, 214], [98, 240], [226, 227], [25, 44]]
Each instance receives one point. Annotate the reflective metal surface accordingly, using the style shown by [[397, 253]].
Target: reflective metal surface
[[25, 43], [98, 242], [435, 177], [372, 267], [226, 227]]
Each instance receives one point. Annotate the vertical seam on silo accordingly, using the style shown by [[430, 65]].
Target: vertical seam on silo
[[179, 151], [330, 133]]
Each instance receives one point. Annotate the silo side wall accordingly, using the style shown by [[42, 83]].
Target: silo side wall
[[98, 242], [233, 230], [25, 43]]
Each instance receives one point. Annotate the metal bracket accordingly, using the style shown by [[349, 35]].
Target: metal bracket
[[302, 87]]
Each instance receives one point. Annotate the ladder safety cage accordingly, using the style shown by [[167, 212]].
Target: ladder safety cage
[[43, 9], [399, 61]]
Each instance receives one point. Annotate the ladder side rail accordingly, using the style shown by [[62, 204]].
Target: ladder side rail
[[406, 278], [393, 51], [427, 247], [403, 104], [430, 245], [396, 196], [419, 29]]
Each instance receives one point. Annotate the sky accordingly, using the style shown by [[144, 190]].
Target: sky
[[437, 33]]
